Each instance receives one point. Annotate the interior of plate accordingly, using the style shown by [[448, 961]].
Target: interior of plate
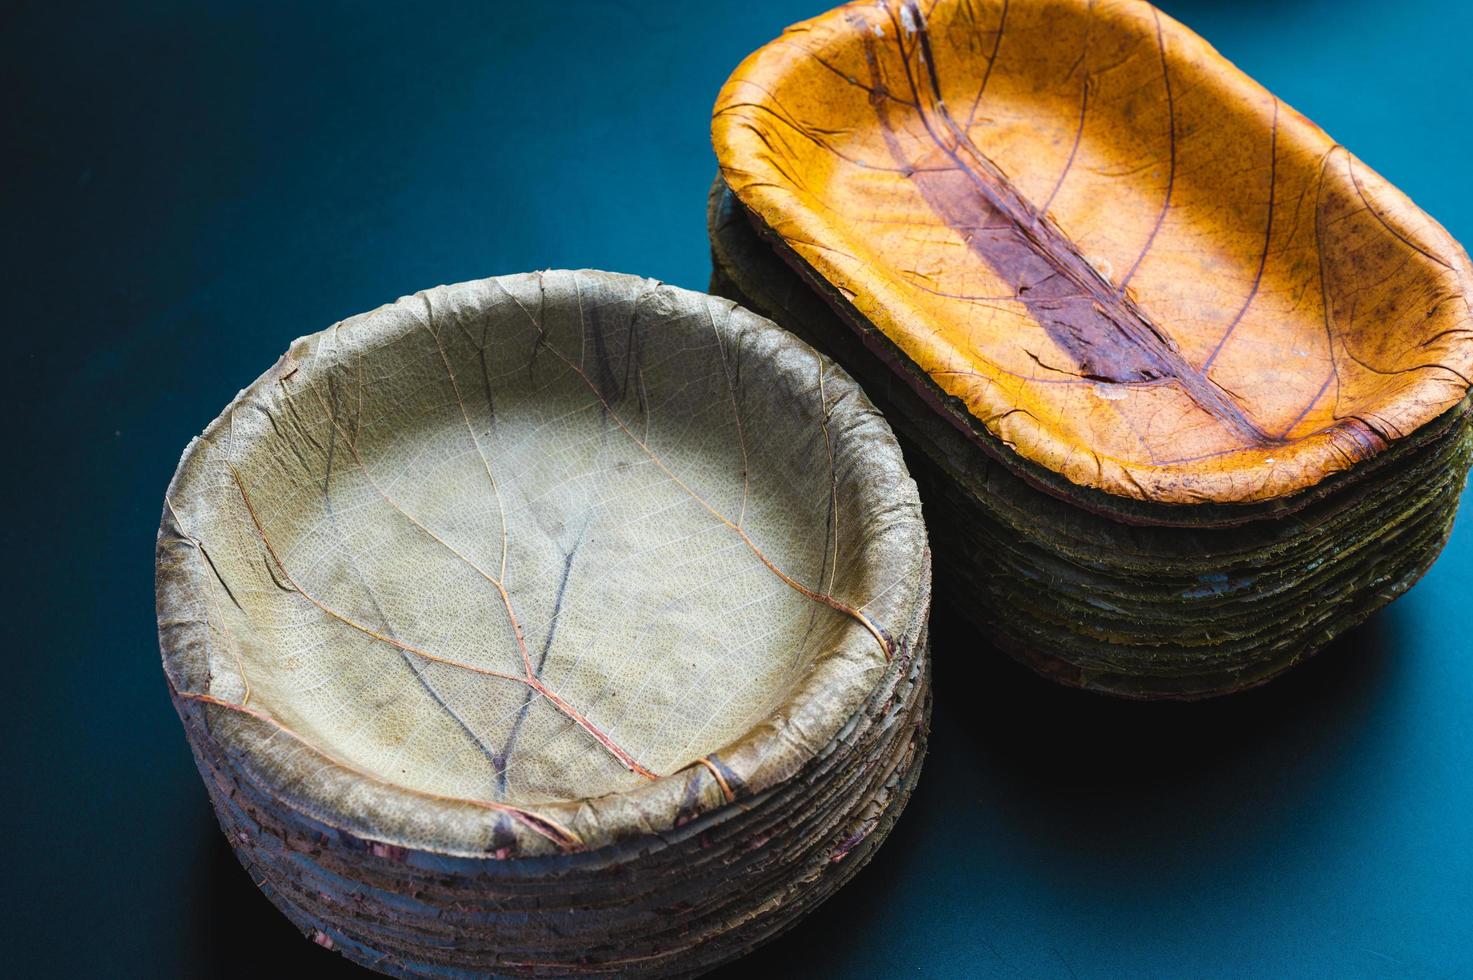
[[1125, 258], [543, 538]]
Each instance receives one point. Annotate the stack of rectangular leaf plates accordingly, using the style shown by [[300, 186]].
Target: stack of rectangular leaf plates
[[1185, 383]]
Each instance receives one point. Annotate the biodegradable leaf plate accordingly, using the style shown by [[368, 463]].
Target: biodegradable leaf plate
[[1185, 383], [535, 564], [1122, 257]]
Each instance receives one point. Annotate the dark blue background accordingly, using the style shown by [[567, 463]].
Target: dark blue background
[[189, 187]]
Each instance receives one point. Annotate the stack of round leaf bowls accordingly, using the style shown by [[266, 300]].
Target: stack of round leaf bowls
[[554, 624], [1185, 384]]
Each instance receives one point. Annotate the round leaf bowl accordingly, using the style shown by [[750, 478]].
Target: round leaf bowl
[[550, 624]]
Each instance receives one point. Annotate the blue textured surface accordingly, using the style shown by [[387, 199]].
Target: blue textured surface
[[191, 186]]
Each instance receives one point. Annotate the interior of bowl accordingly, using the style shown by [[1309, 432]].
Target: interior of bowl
[[1131, 263], [543, 538]]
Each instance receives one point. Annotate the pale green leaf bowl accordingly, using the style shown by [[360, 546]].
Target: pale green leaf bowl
[[553, 624]]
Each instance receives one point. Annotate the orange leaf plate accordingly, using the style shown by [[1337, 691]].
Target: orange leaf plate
[[1130, 262]]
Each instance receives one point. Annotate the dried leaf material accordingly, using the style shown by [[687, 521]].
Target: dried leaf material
[[548, 556], [1127, 260]]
